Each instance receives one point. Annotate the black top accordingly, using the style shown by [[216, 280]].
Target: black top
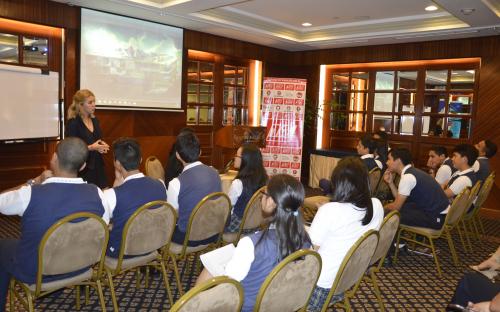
[[173, 168], [94, 169]]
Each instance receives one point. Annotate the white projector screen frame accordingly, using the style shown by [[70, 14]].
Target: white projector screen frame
[[130, 63]]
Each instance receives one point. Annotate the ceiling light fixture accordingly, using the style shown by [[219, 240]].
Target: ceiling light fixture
[[306, 24], [431, 8], [467, 11]]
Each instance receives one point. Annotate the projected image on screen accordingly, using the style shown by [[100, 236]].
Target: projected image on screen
[[130, 63]]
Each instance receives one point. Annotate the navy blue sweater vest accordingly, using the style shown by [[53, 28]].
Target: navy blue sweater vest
[[241, 203], [49, 203], [196, 183], [427, 193], [484, 169], [266, 257], [129, 197], [471, 175], [370, 163]]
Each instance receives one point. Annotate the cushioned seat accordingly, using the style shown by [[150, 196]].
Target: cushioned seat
[[53, 285], [177, 249], [422, 230], [112, 263]]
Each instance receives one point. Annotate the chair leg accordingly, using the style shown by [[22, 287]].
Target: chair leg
[[77, 296], [480, 222], [30, 300], [461, 236], [87, 294], [397, 247], [146, 281], [12, 296], [165, 280], [452, 247], [347, 304], [466, 235], [176, 273], [137, 278], [438, 268], [101, 295], [476, 231], [376, 290], [112, 290], [198, 263]]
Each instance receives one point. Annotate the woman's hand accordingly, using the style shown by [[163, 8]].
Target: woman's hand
[[99, 146]]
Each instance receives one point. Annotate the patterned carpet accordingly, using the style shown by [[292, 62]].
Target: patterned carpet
[[410, 285]]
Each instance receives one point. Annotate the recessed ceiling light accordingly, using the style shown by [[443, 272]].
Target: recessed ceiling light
[[470, 71], [306, 24], [431, 8]]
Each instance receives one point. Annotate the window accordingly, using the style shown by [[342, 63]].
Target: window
[[200, 93], [394, 101], [34, 50], [448, 103], [235, 97], [417, 100], [348, 102]]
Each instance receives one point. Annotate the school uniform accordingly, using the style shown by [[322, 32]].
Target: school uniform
[[425, 199], [482, 168], [445, 171]]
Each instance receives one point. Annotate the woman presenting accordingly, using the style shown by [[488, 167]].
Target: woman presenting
[[83, 124]]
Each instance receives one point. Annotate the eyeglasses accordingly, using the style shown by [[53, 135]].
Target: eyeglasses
[[236, 156], [263, 192]]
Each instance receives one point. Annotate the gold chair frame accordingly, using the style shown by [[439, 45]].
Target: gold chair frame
[[431, 234], [374, 187], [158, 262], [348, 293], [255, 197], [183, 254], [473, 219], [291, 258], [472, 196], [95, 281], [370, 275], [208, 285]]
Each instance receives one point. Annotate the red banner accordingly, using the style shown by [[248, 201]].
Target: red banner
[[283, 107]]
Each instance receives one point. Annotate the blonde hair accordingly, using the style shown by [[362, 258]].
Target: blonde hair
[[78, 99]]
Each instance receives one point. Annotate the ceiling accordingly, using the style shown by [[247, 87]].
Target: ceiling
[[335, 23]]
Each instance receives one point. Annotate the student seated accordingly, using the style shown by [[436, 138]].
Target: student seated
[[477, 291], [130, 191], [53, 195], [339, 224], [441, 166], [194, 183], [464, 156], [366, 147], [419, 198], [257, 254], [251, 176], [173, 166], [486, 150]]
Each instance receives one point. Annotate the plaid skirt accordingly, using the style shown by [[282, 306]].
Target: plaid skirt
[[234, 224], [318, 299]]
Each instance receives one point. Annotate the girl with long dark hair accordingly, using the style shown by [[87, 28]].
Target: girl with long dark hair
[[251, 176], [339, 224], [257, 254]]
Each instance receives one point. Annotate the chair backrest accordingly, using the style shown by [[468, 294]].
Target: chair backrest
[[386, 234], [209, 217], [355, 263], [458, 207], [374, 179], [154, 168], [218, 294], [290, 284], [149, 228], [252, 217], [485, 191], [75, 242]]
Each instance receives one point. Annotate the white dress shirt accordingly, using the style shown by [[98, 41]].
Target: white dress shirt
[[443, 174], [407, 182], [110, 194], [174, 187], [15, 202], [461, 182]]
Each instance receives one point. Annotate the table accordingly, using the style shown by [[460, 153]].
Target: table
[[226, 179]]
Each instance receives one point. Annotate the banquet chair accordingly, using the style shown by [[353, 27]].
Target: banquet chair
[[154, 168]]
